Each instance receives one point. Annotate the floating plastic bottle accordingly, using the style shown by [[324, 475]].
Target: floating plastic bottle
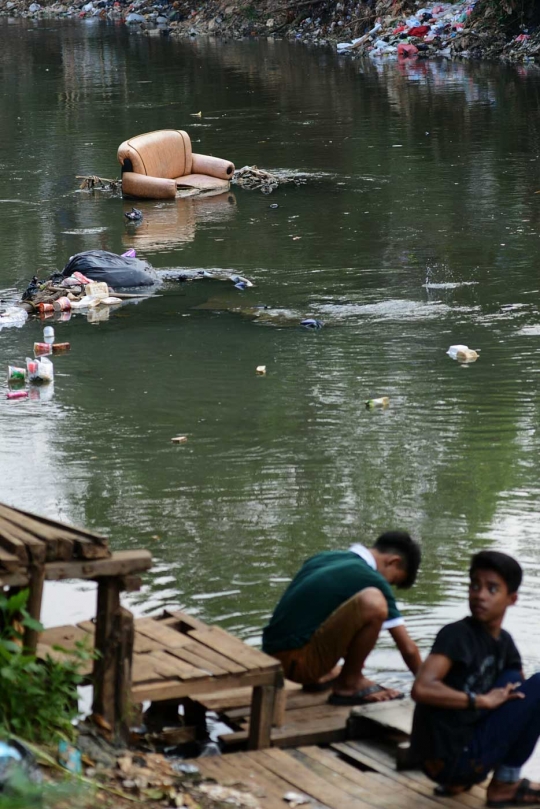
[[48, 334], [382, 401]]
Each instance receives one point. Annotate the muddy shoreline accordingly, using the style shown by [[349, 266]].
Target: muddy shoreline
[[484, 29]]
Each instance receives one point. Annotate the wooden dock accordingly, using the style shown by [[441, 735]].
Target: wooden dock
[[355, 773]]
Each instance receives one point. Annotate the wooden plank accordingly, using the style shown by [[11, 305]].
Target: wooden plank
[[218, 659], [61, 542], [43, 651], [278, 762], [66, 636], [187, 623], [197, 661], [354, 752], [177, 689], [220, 641], [170, 666], [143, 671], [379, 753], [44, 522], [142, 644], [118, 564], [236, 703], [324, 730], [14, 546], [376, 789], [9, 561], [392, 715], [35, 548], [164, 635], [248, 762], [262, 714], [228, 771]]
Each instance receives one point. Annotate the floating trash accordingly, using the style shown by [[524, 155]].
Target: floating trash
[[382, 401], [311, 323]]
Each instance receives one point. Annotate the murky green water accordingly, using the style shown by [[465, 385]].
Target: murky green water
[[426, 172]]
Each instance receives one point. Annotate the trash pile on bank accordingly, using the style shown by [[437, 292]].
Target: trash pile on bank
[[475, 28], [431, 30], [109, 776]]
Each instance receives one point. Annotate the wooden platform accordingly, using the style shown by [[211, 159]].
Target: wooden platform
[[176, 656], [351, 775]]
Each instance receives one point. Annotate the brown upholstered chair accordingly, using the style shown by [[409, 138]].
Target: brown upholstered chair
[[158, 164]]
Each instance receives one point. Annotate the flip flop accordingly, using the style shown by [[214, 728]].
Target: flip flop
[[360, 697], [523, 792]]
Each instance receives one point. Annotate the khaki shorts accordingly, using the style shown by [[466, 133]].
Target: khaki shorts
[[329, 643]]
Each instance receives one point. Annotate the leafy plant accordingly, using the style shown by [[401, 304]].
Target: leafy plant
[[38, 698]]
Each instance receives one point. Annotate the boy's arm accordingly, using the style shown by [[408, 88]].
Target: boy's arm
[[430, 689], [407, 647]]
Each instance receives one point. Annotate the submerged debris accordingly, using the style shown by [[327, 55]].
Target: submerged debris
[[253, 179], [94, 183]]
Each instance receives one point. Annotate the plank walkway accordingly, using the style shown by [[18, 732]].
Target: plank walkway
[[347, 775]]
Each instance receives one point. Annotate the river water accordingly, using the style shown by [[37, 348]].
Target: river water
[[418, 228]]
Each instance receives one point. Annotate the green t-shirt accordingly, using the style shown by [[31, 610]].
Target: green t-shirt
[[322, 584]]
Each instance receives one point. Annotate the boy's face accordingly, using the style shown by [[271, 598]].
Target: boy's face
[[489, 597]]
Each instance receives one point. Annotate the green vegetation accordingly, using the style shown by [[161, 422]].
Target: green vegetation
[[38, 698]]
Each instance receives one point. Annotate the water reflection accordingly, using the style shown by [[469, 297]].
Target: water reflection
[[170, 225]]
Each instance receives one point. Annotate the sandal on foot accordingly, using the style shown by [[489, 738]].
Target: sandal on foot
[[523, 792], [361, 697]]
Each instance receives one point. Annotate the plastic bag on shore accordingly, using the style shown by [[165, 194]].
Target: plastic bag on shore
[[116, 271]]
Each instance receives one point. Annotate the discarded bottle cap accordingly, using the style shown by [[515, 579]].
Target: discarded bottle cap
[[62, 304], [383, 401], [261, 370], [17, 394], [311, 323], [56, 347], [179, 439], [16, 374], [48, 334], [42, 348]]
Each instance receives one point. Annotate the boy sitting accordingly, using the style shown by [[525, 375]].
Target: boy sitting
[[474, 712]]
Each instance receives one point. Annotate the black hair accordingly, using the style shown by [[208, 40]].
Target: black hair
[[401, 543], [506, 566]]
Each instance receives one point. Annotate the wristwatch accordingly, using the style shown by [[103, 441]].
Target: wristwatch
[[472, 700]]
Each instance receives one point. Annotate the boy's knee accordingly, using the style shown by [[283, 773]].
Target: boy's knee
[[373, 604]]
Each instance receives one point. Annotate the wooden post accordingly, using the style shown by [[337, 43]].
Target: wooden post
[[105, 665], [262, 712], [125, 632], [35, 585]]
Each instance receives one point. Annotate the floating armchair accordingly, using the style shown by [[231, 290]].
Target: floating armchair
[[161, 165]]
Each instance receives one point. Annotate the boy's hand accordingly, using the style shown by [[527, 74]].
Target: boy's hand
[[498, 696]]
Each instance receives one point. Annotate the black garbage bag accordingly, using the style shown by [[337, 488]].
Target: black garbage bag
[[116, 271]]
